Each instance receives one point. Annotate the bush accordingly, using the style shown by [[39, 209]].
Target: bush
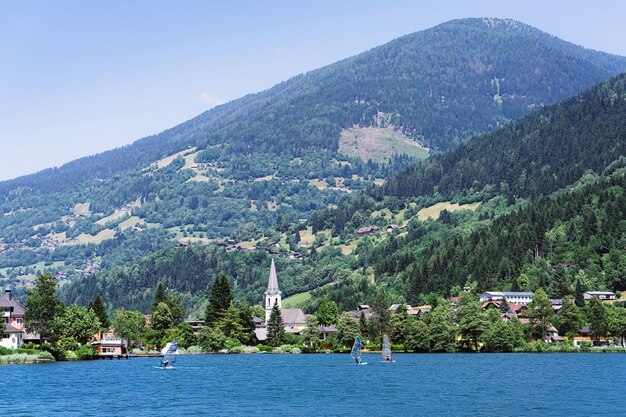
[[55, 351], [264, 348], [195, 349], [308, 349], [231, 343], [287, 349], [5, 351], [85, 352], [244, 349], [68, 343]]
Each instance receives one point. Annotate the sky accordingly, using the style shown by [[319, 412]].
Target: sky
[[79, 78]]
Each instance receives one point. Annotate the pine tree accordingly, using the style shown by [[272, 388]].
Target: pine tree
[[275, 327], [159, 296], [219, 301], [97, 306], [579, 293]]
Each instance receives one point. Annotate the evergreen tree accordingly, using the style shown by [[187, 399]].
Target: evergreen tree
[[247, 322], [363, 325], [159, 296], [275, 327], [220, 300], [231, 326], [97, 306], [579, 292], [176, 308], [161, 317], [42, 309]]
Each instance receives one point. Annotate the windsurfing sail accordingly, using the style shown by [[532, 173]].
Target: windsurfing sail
[[356, 348], [169, 353], [386, 349]]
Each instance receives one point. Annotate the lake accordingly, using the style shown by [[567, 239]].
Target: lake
[[322, 385]]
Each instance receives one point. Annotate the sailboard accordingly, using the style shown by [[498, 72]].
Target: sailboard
[[169, 355], [355, 353], [386, 351]]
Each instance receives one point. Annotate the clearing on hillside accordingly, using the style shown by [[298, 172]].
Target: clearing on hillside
[[436, 209], [378, 144]]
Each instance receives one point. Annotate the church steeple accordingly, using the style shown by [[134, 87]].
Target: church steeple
[[273, 293]]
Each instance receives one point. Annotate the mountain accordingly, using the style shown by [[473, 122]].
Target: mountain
[[535, 156], [568, 159], [266, 160], [439, 86]]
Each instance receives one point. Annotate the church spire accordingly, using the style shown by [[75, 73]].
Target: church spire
[[272, 285], [273, 293]]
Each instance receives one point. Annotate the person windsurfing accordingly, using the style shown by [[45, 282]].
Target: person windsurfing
[[164, 363]]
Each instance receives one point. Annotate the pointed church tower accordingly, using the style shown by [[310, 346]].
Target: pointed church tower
[[272, 295]]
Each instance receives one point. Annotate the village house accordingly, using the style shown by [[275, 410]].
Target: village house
[[13, 319], [423, 309], [327, 331], [509, 296], [367, 230], [109, 346], [196, 324], [602, 295]]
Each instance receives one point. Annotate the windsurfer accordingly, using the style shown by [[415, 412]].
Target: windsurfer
[[164, 363]]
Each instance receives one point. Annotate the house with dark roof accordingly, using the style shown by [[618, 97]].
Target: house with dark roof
[[602, 295], [367, 230], [13, 313]]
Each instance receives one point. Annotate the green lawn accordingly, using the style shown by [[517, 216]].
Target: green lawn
[[296, 300]]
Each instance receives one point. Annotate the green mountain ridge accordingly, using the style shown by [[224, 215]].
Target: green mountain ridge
[[269, 159], [569, 236]]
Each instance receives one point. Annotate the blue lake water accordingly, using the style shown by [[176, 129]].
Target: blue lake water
[[322, 385]]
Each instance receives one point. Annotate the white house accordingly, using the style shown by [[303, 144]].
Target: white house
[[510, 296], [13, 320]]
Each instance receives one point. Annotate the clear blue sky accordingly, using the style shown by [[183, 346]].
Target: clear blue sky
[[77, 78]]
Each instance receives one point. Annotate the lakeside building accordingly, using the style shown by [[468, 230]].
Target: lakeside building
[[13, 313], [107, 345]]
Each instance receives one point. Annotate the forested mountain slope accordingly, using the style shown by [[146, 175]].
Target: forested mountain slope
[[270, 159], [440, 86], [569, 237], [539, 154]]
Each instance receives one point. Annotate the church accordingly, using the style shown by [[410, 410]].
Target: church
[[294, 319]]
